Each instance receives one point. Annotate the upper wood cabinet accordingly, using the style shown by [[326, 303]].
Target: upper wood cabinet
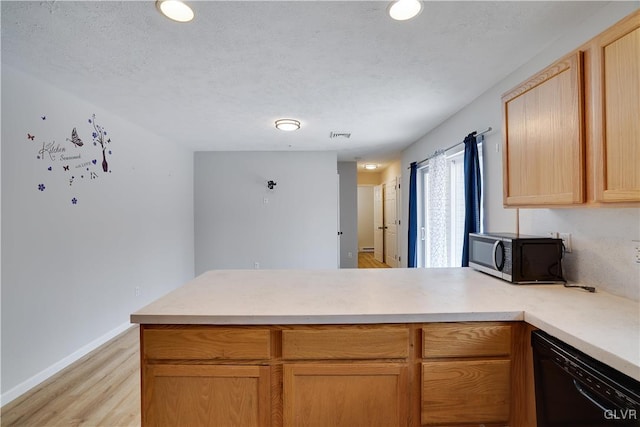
[[615, 88], [543, 133], [571, 133]]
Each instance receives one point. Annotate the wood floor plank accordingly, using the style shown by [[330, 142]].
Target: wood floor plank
[[366, 260], [101, 389]]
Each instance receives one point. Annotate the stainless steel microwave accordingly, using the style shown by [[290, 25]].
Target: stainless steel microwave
[[517, 259]]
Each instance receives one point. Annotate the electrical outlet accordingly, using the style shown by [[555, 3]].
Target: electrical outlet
[[137, 291], [566, 241], [256, 265], [350, 254], [636, 251], [553, 234]]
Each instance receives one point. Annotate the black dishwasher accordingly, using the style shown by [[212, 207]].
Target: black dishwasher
[[575, 390]]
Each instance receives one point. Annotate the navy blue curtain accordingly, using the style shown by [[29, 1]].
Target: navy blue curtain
[[472, 193], [412, 261]]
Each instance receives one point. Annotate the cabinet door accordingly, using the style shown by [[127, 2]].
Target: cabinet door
[[206, 395], [543, 135], [346, 395], [460, 392], [616, 99]]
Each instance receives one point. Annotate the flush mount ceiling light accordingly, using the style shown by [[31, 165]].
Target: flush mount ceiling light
[[175, 9], [287, 124], [401, 10], [370, 166]]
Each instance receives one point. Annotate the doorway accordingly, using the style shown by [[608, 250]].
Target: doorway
[[378, 225]]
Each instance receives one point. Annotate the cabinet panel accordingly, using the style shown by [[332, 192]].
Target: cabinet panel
[[465, 392], [465, 340], [206, 343], [206, 395], [346, 343], [543, 155], [366, 394], [616, 74]]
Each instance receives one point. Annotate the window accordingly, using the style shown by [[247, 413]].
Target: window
[[441, 209]]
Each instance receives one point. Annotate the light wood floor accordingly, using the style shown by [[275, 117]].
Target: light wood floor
[[100, 390], [366, 260]]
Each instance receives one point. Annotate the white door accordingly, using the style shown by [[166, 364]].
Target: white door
[[390, 224], [378, 224]]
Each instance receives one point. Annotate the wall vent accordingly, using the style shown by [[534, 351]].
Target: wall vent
[[340, 135]]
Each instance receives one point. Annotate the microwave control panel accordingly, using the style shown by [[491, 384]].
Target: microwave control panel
[[507, 259]]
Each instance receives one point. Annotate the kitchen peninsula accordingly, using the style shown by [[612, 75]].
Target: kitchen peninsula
[[379, 347]]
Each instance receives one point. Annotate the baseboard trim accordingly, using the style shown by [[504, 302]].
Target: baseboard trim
[[47, 373]]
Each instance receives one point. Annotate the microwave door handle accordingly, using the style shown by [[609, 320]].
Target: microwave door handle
[[496, 265], [495, 250]]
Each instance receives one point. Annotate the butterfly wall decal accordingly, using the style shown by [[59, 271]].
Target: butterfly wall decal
[[75, 140], [66, 167], [43, 117], [29, 136]]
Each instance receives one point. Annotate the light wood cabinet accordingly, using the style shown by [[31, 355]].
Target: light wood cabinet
[[351, 343], [204, 343], [571, 133], [205, 395], [205, 376], [368, 387], [615, 88], [463, 392], [405, 375], [466, 374], [543, 153], [355, 394]]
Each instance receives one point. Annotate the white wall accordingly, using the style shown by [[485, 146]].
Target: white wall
[[602, 236], [295, 228], [69, 271], [348, 172], [365, 216]]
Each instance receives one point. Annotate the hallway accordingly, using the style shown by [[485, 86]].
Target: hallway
[[366, 260]]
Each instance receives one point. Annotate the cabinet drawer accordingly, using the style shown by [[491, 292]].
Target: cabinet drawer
[[461, 391], [346, 343], [203, 343], [465, 340]]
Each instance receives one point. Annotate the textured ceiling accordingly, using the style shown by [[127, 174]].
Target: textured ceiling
[[220, 82]]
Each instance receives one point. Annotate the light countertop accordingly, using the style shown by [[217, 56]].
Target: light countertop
[[602, 325]]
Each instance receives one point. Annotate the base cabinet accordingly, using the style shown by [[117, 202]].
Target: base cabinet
[[345, 395], [409, 375], [206, 395], [466, 373], [466, 392]]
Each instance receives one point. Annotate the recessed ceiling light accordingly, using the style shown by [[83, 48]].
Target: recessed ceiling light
[[401, 10], [175, 9], [287, 124], [370, 166]]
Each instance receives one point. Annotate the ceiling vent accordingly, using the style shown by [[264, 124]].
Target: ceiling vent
[[340, 135]]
